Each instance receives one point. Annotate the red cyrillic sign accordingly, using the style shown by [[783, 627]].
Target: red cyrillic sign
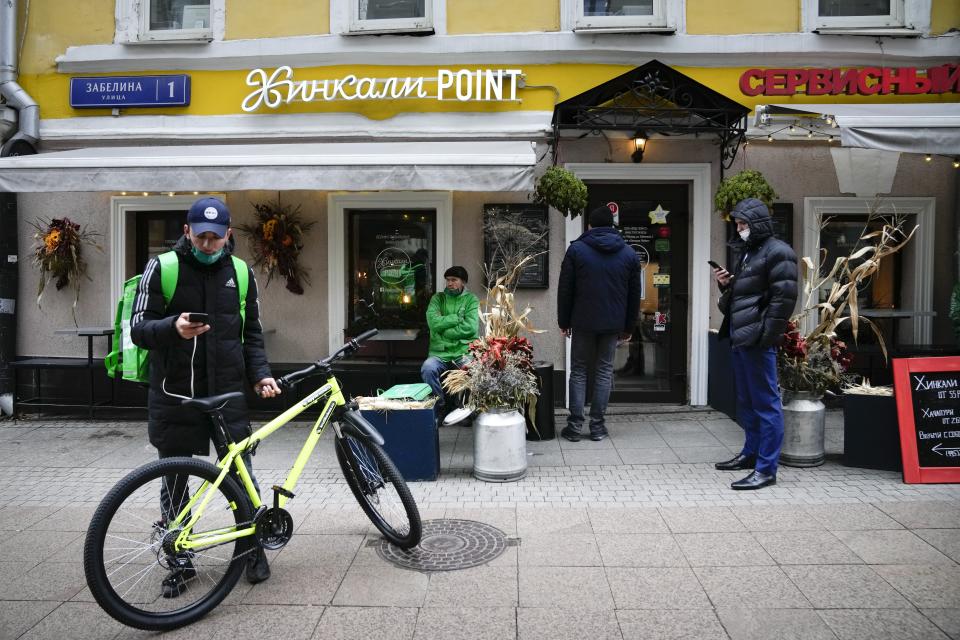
[[864, 81]]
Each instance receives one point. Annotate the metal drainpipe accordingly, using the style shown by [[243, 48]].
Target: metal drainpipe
[[28, 112], [22, 142]]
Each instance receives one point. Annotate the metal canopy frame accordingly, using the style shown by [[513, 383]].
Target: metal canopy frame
[[655, 98]]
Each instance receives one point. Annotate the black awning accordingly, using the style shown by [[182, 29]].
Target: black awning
[[655, 98]]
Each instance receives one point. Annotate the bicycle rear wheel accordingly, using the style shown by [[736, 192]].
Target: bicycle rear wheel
[[380, 489], [133, 567]]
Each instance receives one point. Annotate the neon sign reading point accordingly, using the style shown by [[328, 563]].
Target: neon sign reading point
[[466, 85]]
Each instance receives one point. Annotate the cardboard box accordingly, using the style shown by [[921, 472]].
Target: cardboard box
[[412, 441]]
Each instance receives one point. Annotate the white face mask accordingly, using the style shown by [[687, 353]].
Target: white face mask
[[744, 234]]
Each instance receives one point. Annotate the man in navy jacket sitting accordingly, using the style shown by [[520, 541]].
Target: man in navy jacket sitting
[[598, 298]]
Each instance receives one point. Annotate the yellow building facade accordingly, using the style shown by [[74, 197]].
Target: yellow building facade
[[361, 112]]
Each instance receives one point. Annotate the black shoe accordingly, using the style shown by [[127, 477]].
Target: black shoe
[[598, 433], [258, 569], [755, 480], [571, 433], [737, 463], [176, 582]]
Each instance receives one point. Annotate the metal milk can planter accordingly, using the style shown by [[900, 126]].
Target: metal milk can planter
[[500, 446], [803, 429]]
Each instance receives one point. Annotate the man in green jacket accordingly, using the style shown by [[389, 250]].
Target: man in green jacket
[[454, 322]]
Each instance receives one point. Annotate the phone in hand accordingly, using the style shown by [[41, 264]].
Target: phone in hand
[[199, 317], [715, 265]]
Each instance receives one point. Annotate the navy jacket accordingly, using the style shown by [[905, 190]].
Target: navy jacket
[[222, 363], [759, 301], [599, 287]]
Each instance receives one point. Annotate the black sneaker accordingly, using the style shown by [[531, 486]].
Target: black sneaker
[[571, 433], [598, 433], [258, 569], [176, 582]]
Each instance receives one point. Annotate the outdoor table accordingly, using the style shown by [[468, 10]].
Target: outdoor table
[[391, 337], [90, 333], [896, 314]]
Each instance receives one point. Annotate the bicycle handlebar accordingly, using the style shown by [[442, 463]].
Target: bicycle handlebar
[[349, 348]]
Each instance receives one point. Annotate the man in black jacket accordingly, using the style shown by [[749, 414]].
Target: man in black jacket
[[757, 301], [597, 303], [196, 359]]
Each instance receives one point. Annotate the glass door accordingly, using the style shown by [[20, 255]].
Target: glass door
[[654, 220]]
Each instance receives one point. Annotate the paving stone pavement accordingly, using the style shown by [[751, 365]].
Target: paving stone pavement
[[636, 536]]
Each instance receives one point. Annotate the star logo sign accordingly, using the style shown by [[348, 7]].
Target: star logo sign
[[658, 215]]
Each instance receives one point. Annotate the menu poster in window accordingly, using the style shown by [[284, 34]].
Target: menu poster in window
[[518, 229], [927, 391]]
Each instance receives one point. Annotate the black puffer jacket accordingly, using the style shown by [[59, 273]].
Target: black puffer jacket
[[760, 300], [222, 363]]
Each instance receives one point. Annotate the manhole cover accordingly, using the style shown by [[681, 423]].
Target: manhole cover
[[447, 545]]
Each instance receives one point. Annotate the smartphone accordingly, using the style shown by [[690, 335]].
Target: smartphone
[[714, 265], [199, 317]]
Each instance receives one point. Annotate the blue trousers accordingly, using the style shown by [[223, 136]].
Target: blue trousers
[[759, 408], [431, 370]]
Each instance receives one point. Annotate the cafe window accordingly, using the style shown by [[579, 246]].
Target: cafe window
[[878, 296], [169, 20], [391, 261], [620, 14], [385, 16], [859, 13]]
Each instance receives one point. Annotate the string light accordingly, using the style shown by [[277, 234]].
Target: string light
[[928, 157], [830, 139], [770, 138], [123, 193], [809, 133], [956, 163], [146, 193], [196, 193], [792, 128]]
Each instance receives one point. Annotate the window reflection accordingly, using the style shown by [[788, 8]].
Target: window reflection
[[391, 262], [179, 14]]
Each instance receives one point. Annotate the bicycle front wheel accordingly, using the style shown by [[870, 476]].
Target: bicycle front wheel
[[136, 563], [380, 489]]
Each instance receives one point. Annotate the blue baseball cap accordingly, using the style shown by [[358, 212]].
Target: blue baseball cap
[[209, 214]]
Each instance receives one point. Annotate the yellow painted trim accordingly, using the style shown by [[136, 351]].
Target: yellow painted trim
[[502, 16], [253, 19], [733, 16], [944, 15], [222, 92]]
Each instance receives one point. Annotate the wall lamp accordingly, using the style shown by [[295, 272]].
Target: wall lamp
[[639, 144]]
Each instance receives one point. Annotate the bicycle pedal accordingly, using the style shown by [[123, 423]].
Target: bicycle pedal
[[284, 492]]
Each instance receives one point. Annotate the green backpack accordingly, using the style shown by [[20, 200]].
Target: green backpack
[[134, 363]]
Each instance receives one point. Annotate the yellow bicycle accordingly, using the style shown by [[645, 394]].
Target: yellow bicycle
[[161, 568]]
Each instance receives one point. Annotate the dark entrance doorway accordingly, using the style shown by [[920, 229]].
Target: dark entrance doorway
[[157, 232], [654, 220]]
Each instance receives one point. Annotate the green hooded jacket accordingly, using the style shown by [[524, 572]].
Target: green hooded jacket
[[454, 323]]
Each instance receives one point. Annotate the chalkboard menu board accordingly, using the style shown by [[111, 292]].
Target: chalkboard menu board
[[928, 408], [518, 228]]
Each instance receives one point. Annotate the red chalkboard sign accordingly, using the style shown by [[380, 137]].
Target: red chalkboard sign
[[928, 409]]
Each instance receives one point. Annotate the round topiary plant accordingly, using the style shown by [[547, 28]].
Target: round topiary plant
[[746, 184], [562, 190]]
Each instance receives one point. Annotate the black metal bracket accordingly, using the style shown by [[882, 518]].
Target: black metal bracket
[[655, 98]]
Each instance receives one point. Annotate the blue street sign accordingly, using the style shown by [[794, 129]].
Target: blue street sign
[[130, 91]]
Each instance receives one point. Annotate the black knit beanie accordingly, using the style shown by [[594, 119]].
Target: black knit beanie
[[456, 272], [601, 217]]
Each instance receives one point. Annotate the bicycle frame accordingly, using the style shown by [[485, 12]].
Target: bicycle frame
[[234, 458]]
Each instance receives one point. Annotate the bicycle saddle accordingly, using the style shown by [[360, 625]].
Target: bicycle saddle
[[213, 402]]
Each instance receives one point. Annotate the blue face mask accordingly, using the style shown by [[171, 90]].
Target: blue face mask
[[204, 258]]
